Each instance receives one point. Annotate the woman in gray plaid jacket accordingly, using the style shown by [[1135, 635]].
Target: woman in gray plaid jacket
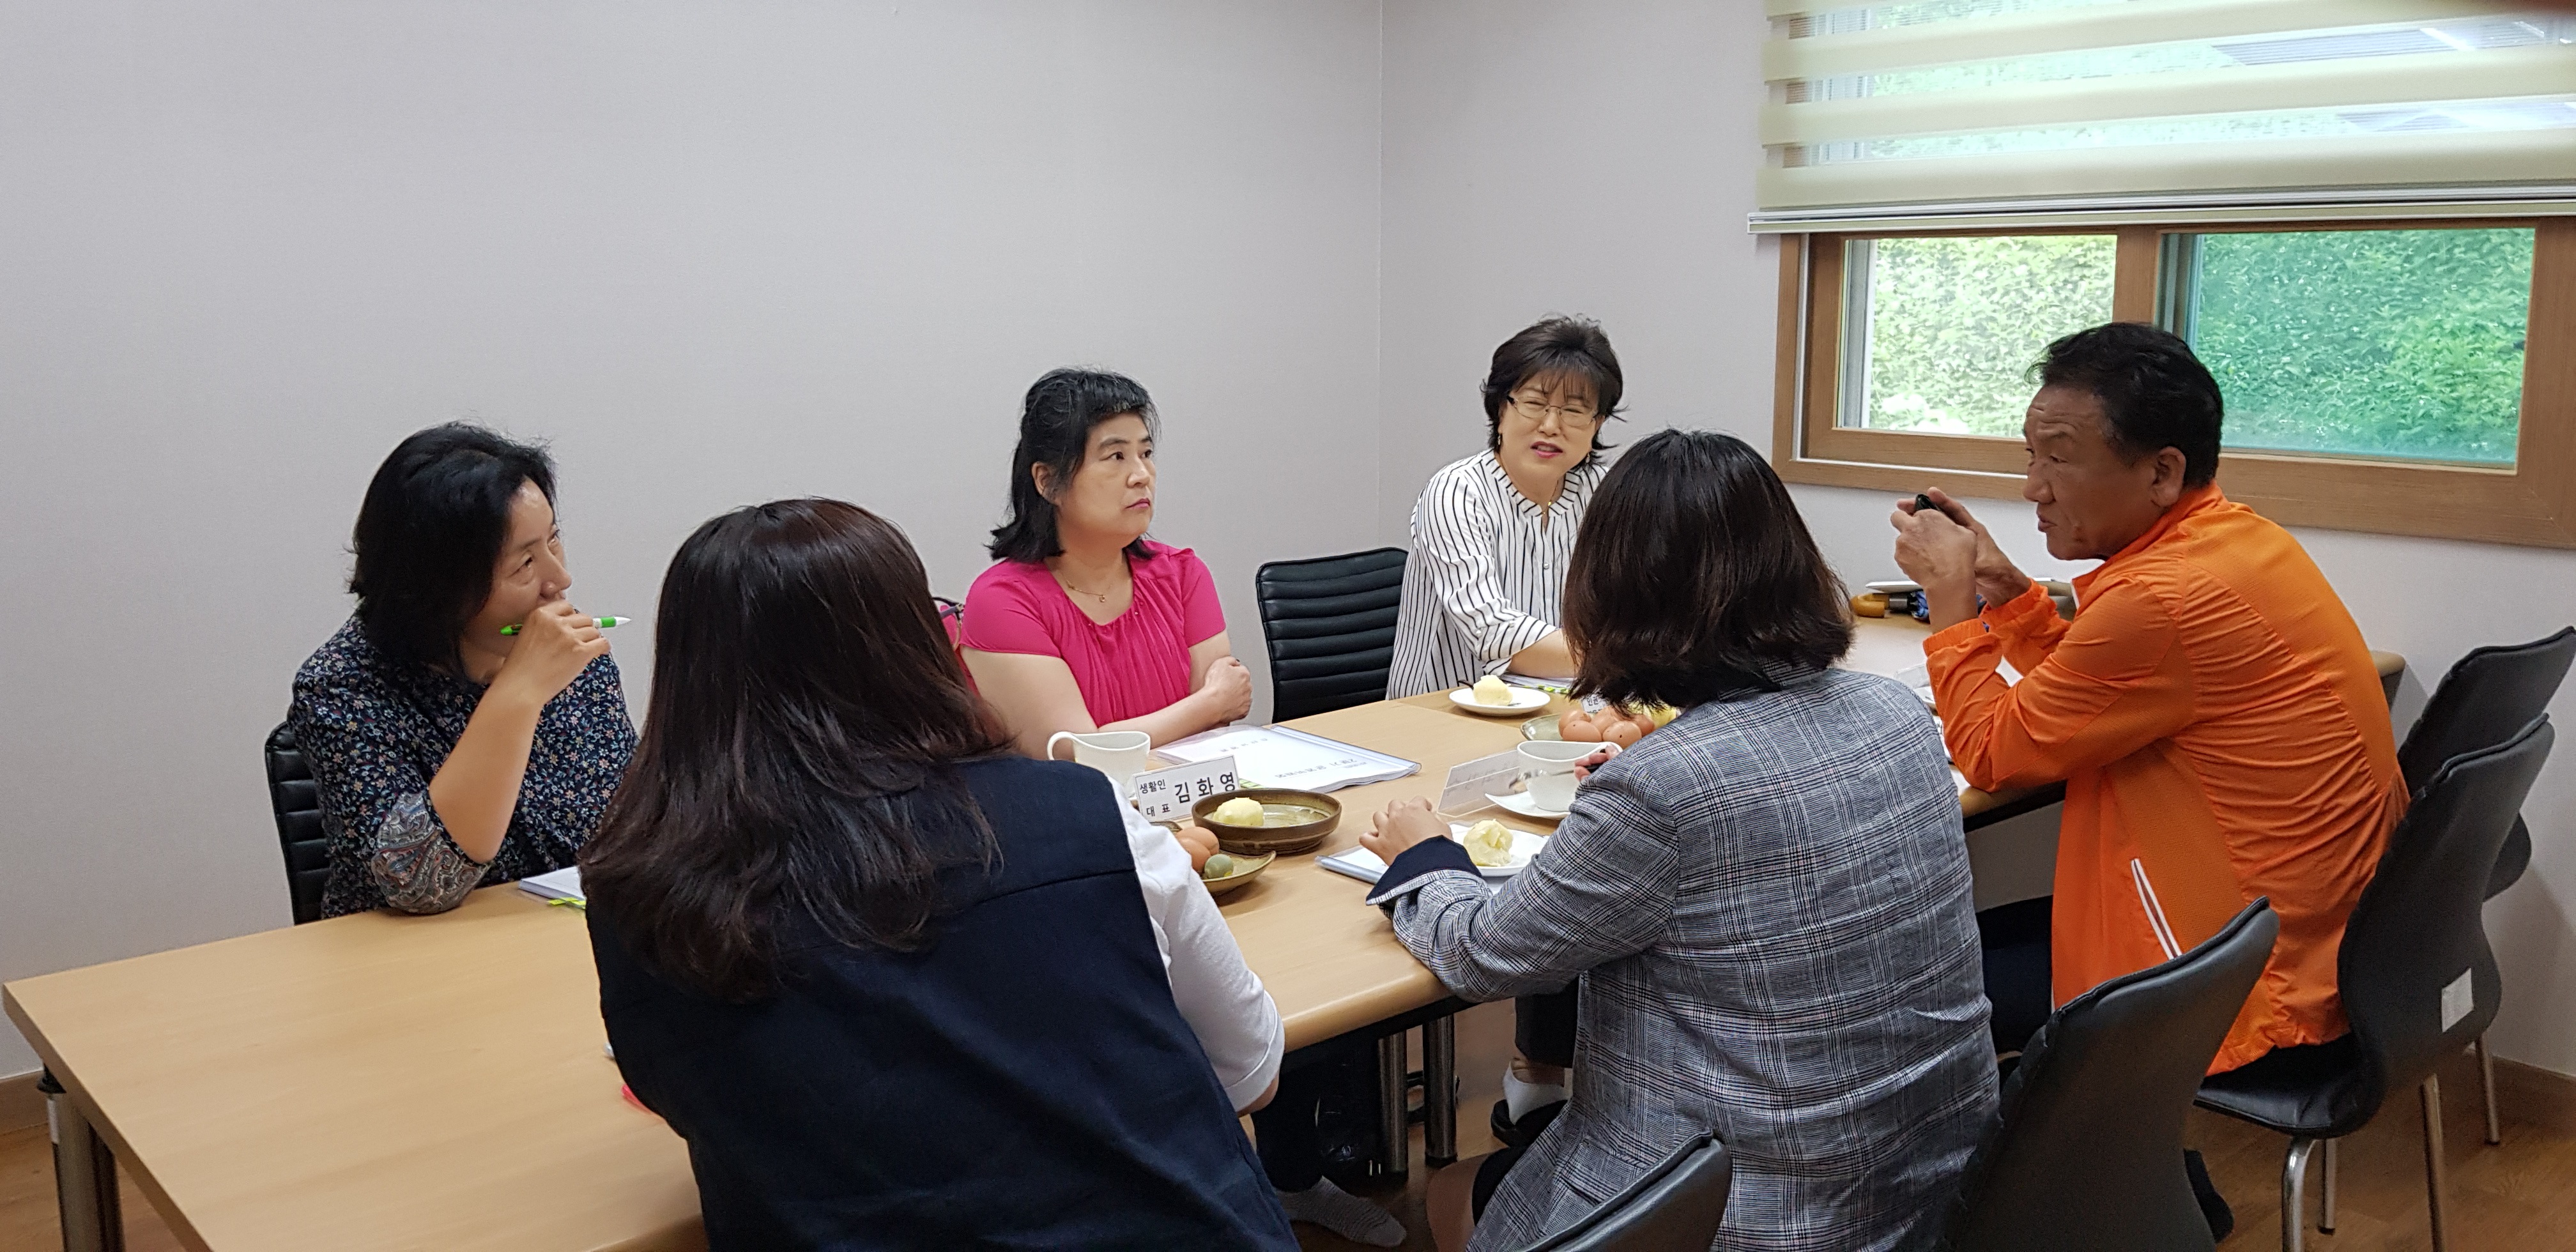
[[1766, 901]]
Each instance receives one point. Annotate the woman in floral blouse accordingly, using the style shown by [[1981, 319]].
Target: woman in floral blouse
[[450, 755]]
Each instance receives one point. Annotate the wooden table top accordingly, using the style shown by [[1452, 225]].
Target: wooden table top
[[1331, 962], [370, 1081], [382, 1080]]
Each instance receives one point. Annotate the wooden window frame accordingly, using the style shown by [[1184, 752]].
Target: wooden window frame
[[2532, 502]]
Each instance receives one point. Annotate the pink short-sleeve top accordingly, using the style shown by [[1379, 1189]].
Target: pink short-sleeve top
[[1136, 664]]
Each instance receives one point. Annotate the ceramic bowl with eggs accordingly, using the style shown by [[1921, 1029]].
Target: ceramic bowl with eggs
[[1225, 871], [1219, 871]]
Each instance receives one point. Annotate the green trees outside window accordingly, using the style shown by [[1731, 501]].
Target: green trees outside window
[[2401, 344], [2398, 344], [1938, 333]]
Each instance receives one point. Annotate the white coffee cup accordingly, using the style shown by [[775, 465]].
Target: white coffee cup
[[1117, 753], [1547, 771]]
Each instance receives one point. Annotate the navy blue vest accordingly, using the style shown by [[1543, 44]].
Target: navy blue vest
[[1025, 1082]]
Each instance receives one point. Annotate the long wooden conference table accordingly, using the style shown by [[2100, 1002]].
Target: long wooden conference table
[[382, 1081]]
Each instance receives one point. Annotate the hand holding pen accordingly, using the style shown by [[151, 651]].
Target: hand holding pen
[[601, 622], [554, 644]]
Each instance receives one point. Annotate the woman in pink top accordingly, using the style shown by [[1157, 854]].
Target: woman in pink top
[[1083, 623]]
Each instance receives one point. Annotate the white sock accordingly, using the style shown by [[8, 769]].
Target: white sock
[[1520, 1097], [1343, 1214]]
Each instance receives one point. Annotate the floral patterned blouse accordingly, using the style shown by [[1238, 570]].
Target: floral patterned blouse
[[375, 733]]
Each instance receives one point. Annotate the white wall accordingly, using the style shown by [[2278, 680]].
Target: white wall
[[1588, 159], [716, 253], [1599, 159]]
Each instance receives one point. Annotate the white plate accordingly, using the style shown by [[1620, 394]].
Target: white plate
[[1524, 700], [1524, 846], [1520, 802]]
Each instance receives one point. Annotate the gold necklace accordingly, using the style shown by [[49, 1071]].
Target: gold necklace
[[1067, 584]]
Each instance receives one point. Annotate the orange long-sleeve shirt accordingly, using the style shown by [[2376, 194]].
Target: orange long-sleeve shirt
[[2220, 729]]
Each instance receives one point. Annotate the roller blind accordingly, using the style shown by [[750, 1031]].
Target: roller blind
[[1961, 112]]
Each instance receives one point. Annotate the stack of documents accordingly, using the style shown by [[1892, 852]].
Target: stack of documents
[[562, 884], [1275, 756]]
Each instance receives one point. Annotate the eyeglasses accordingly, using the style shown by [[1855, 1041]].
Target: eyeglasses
[[1575, 416]]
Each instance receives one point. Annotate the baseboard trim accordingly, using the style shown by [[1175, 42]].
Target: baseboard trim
[[21, 1105], [2542, 1097]]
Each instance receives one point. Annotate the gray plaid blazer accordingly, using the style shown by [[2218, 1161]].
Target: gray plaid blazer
[[1767, 903]]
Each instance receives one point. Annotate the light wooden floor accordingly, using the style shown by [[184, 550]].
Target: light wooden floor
[[2521, 1196], [28, 1219]]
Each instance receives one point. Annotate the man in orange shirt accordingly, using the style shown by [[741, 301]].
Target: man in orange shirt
[[2212, 709]]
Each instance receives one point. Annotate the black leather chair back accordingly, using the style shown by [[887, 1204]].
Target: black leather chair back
[[2487, 698], [1329, 624], [297, 804], [2086, 1152], [2419, 927], [1677, 1204], [2491, 694]]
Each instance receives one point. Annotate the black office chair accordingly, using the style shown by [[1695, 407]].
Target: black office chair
[[1329, 625], [2488, 696], [1677, 1204], [2417, 979], [297, 805], [2087, 1149]]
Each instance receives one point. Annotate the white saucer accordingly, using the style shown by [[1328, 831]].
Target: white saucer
[[1524, 700], [1524, 846], [1520, 802]]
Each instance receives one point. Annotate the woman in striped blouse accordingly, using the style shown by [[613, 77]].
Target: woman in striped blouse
[[1491, 533], [1483, 592]]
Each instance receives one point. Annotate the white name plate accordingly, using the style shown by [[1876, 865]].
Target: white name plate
[[1165, 795]]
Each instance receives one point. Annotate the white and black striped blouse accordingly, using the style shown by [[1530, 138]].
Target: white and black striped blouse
[[1487, 576]]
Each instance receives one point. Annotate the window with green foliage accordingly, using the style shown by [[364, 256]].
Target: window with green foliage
[[2397, 344], [2390, 344], [1939, 333], [2403, 376]]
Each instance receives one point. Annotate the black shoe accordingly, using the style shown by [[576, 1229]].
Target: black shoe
[[2213, 1206], [1524, 1132]]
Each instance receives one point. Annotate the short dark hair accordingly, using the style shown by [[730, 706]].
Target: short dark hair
[[1553, 345], [796, 773], [1694, 578], [429, 533], [2156, 394], [1056, 419]]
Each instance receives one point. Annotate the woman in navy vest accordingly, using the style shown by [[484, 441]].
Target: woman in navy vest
[[897, 986]]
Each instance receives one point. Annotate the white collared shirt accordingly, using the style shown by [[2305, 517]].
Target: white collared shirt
[[1218, 995], [1487, 574]]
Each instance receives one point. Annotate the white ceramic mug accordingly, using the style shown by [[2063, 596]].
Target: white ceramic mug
[[1117, 753], [1547, 771]]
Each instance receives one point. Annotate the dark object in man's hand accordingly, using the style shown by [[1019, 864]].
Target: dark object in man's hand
[[1923, 504]]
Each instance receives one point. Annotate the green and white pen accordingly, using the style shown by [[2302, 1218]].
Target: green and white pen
[[603, 623]]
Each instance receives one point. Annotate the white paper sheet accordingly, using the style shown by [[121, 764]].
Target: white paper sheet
[[1275, 756], [562, 884]]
